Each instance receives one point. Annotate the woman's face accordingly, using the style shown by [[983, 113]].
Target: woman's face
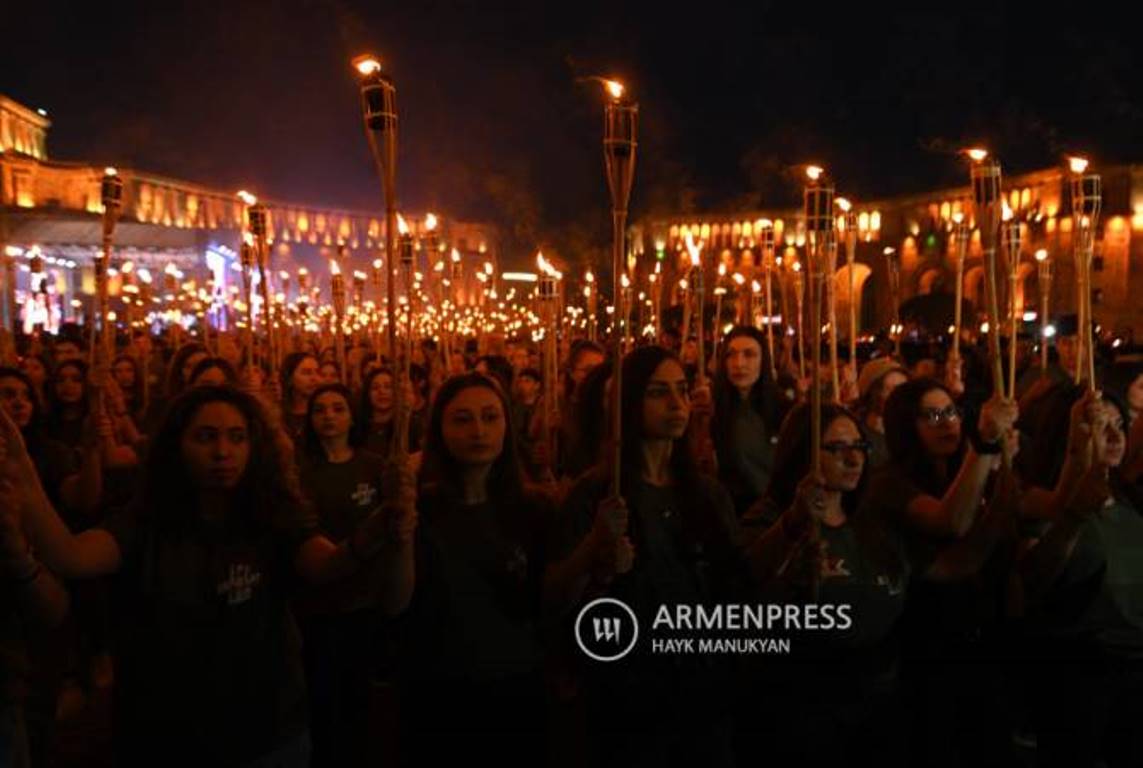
[[1135, 394], [211, 377], [124, 374], [1110, 442], [743, 362], [473, 426], [331, 415], [306, 378], [329, 374], [938, 424], [842, 455], [190, 363], [35, 370], [586, 362], [216, 447], [381, 393], [16, 400], [666, 403], [69, 385]]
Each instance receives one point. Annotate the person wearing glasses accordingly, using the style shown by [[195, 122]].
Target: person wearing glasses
[[932, 495]]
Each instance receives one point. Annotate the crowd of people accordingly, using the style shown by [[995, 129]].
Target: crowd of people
[[273, 565]]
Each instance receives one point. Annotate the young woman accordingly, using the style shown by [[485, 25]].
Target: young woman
[[468, 595], [930, 494], [37, 370], [209, 664], [746, 417], [72, 413], [329, 373], [338, 621], [378, 407], [129, 379], [1083, 576], [671, 539], [301, 375]]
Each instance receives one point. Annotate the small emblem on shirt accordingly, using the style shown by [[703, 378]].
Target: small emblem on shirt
[[364, 494], [239, 585], [834, 566]]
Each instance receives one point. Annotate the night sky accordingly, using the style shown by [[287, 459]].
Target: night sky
[[496, 126]]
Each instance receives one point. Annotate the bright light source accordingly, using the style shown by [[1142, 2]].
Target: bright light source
[[366, 64]]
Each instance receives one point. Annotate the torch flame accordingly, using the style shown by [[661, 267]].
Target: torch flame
[[589, 277], [722, 270], [1007, 214], [109, 171], [739, 279], [813, 172], [431, 222], [171, 270], [488, 267], [1041, 255], [1077, 164], [958, 217], [402, 227], [246, 197], [455, 256], [358, 277], [614, 88], [755, 286], [284, 275], [333, 268], [694, 250], [623, 281], [843, 203], [976, 154], [366, 64], [796, 266]]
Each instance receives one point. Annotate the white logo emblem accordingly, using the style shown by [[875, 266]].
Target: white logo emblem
[[614, 629]]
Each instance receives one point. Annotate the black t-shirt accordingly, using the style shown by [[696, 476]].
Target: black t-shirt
[[343, 496], [475, 608], [13, 650], [208, 659]]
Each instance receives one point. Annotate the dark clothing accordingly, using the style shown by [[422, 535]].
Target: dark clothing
[[468, 645], [208, 659], [648, 709], [745, 455]]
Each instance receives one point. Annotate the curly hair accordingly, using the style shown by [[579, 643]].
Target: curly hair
[[267, 495], [175, 384], [210, 363]]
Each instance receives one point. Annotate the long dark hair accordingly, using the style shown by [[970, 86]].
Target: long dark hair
[[55, 405], [134, 394], [441, 473], [33, 433], [763, 397], [792, 457], [906, 451], [1119, 379], [638, 368], [310, 439], [267, 496], [577, 351], [289, 365], [175, 384], [590, 428], [366, 408]]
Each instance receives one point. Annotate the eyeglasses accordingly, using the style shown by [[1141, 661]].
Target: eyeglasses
[[840, 448], [937, 416]]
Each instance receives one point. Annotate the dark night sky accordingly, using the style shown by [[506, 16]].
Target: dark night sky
[[495, 126]]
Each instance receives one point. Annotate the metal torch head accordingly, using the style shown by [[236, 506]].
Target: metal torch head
[[246, 254], [378, 97], [1087, 196], [111, 190], [1010, 237], [620, 128], [405, 250], [985, 176], [256, 216]]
